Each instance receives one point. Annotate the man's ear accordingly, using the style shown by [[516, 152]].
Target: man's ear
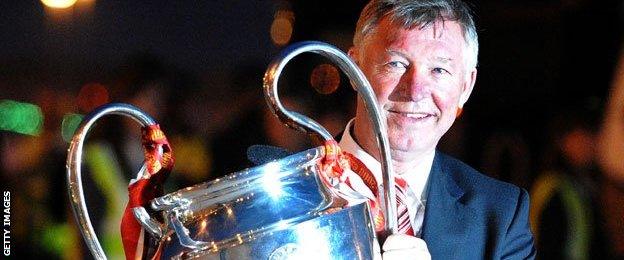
[[469, 83], [353, 54]]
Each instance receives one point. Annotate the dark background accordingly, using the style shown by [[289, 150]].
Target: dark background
[[536, 57], [538, 60]]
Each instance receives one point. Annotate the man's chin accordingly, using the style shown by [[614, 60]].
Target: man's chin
[[404, 147]]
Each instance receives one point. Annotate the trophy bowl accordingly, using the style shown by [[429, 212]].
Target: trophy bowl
[[278, 210]]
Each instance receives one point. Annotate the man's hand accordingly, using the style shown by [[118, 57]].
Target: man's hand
[[400, 246]]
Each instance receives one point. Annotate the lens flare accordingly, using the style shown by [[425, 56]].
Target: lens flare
[[271, 180]]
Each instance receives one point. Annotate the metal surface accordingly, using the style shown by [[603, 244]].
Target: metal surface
[[74, 159], [267, 208], [264, 179], [307, 125], [344, 234], [151, 226], [251, 200]]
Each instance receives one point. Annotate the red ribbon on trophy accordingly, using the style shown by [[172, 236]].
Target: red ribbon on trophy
[[337, 161], [159, 162]]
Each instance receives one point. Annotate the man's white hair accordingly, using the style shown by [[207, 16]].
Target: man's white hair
[[410, 14]]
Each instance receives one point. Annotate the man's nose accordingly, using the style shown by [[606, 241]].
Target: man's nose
[[415, 83]]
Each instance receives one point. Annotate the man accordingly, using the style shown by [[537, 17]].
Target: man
[[420, 58]]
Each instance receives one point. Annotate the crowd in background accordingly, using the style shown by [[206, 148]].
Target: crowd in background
[[573, 168]]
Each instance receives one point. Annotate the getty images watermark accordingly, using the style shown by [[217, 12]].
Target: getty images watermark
[[6, 223]]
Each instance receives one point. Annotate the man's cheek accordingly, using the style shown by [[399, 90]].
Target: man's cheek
[[446, 101], [381, 94]]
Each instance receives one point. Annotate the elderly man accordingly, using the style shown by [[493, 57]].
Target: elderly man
[[420, 58]]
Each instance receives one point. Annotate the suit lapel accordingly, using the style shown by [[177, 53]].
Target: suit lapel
[[447, 218]]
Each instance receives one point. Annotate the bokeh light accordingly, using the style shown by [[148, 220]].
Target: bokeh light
[[61, 4], [69, 125], [282, 27], [325, 79], [92, 95], [23, 118]]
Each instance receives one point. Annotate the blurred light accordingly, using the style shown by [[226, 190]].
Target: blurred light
[[23, 118], [92, 95], [271, 180], [51, 242], [282, 224], [314, 237], [202, 226], [282, 27], [58, 3], [193, 160], [69, 125], [325, 79]]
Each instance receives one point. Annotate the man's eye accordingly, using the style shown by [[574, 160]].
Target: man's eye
[[397, 64], [440, 71]]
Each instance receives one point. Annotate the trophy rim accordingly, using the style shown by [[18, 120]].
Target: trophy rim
[[224, 189]]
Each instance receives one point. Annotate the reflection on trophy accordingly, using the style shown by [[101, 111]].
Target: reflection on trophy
[[287, 208]]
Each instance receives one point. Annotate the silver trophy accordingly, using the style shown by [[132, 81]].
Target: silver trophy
[[278, 210]]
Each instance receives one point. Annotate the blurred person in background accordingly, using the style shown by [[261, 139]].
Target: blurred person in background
[[276, 133], [113, 155], [611, 158], [567, 206], [235, 119], [33, 170]]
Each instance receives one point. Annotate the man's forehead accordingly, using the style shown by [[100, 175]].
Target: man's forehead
[[448, 33], [438, 30]]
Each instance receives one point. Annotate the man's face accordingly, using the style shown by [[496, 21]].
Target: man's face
[[420, 77]]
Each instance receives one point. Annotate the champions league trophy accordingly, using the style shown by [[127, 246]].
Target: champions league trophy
[[285, 209]]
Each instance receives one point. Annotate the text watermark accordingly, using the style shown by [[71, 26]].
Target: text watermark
[[6, 223]]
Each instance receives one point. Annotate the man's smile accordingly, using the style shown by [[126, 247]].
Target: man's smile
[[410, 117]]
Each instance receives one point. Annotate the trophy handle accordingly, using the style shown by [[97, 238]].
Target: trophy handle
[[74, 179], [309, 126]]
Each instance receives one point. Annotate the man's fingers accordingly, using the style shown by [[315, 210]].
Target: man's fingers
[[400, 246], [376, 250], [406, 254], [401, 241]]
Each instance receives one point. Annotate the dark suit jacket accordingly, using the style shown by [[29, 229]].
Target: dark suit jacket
[[471, 216]]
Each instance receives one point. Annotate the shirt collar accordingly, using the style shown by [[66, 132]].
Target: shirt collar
[[416, 179]]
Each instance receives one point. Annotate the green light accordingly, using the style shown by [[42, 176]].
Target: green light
[[69, 125], [23, 118]]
